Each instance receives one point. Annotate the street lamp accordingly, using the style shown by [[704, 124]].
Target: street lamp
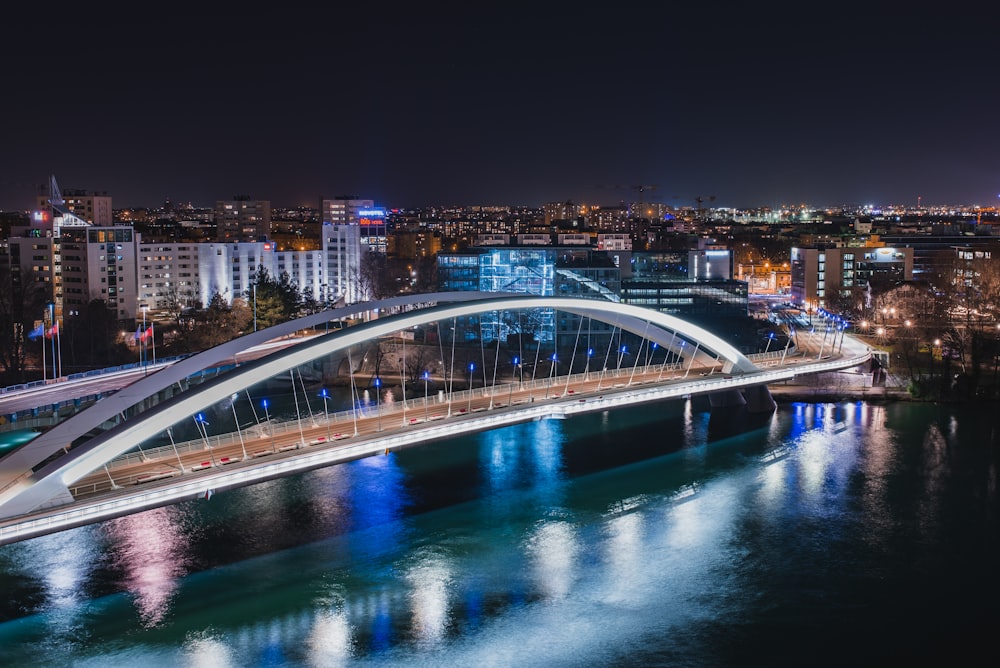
[[243, 446], [586, 371], [472, 367], [552, 370], [270, 427], [427, 375], [323, 393], [770, 337], [142, 339], [378, 401], [200, 422], [53, 334]]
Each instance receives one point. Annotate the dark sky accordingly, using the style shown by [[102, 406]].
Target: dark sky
[[498, 103]]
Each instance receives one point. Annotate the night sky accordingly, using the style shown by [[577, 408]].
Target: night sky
[[504, 103]]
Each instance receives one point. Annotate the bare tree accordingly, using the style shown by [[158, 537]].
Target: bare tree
[[419, 358], [19, 305]]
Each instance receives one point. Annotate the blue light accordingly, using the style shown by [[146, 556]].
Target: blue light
[[378, 382]]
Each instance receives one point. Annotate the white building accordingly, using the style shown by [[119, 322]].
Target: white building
[[327, 274], [614, 242], [168, 274], [99, 263]]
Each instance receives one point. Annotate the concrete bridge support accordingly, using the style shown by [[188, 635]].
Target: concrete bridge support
[[727, 399], [755, 399], [759, 399]]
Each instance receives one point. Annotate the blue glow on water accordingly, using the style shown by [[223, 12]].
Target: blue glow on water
[[623, 538]]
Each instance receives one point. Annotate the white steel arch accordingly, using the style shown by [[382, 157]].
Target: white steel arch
[[50, 484]]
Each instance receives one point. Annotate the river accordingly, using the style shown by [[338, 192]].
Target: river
[[831, 534]]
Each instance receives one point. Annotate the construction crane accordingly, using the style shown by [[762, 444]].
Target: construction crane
[[698, 200], [641, 189]]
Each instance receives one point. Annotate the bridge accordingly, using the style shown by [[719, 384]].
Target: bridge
[[59, 480]]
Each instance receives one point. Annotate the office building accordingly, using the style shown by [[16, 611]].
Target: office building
[[99, 264], [837, 278], [242, 219]]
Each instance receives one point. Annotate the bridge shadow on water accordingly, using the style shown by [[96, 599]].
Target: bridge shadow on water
[[733, 421]]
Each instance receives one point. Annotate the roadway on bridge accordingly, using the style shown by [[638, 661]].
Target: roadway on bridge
[[377, 419], [62, 390], [130, 483]]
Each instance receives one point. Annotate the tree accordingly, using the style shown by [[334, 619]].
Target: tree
[[372, 278], [419, 358], [176, 302], [19, 307], [425, 267], [273, 300], [220, 322], [93, 339]]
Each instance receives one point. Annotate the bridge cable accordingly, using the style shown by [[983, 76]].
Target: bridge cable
[[611, 340], [572, 359], [669, 352], [298, 415], [538, 348], [354, 394], [402, 378], [451, 385], [305, 396], [444, 368], [170, 435], [638, 353], [496, 361]]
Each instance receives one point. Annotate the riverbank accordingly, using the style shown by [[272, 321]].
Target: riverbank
[[812, 394]]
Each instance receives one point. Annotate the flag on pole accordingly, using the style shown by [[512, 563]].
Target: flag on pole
[[148, 334], [52, 331], [138, 334], [38, 331]]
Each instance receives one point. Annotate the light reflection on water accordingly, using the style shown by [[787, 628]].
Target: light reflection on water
[[150, 548], [527, 562]]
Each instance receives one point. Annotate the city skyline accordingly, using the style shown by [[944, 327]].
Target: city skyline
[[742, 107]]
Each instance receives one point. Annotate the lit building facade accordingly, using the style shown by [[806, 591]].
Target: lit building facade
[[168, 275], [696, 282], [242, 219], [342, 253], [35, 248], [99, 263], [372, 226], [826, 277], [231, 269], [92, 207]]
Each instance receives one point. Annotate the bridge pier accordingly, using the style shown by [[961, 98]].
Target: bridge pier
[[727, 399], [759, 399], [736, 411]]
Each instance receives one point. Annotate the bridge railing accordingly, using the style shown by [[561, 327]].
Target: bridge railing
[[265, 435], [90, 374], [271, 436]]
